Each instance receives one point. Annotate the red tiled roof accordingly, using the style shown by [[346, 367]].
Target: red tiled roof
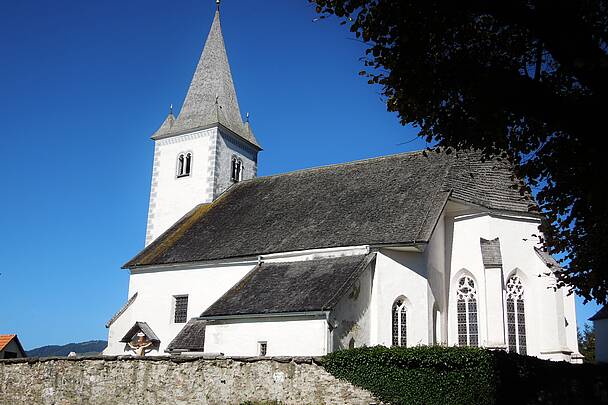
[[5, 340]]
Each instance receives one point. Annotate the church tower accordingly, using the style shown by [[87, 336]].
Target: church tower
[[207, 148]]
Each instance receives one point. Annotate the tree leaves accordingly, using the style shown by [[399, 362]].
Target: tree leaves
[[526, 80]]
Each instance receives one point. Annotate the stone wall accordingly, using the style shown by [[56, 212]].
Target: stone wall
[[178, 380]]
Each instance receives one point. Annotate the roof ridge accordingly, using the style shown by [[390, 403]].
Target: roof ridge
[[332, 165]]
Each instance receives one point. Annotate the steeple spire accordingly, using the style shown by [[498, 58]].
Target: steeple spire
[[211, 98]]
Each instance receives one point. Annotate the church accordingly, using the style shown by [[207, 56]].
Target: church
[[403, 250]]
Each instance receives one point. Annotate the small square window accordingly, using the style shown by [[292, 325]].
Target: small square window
[[263, 348], [181, 309]]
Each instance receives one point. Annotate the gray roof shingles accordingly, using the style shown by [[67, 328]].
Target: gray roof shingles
[[278, 288], [385, 200], [303, 286], [490, 252], [191, 338], [140, 327]]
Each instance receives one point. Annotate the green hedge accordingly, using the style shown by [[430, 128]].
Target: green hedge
[[462, 375]]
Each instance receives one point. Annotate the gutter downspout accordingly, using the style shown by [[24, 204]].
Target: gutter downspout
[[329, 335]]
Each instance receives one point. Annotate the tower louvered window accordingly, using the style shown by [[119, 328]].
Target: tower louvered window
[[399, 324], [184, 164], [466, 311], [236, 173], [516, 318]]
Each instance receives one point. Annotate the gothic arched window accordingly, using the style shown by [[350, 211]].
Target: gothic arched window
[[399, 314], [466, 310], [188, 163], [184, 164], [236, 173], [516, 318]]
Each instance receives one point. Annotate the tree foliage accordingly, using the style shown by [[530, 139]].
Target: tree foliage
[[524, 80], [586, 342], [466, 375]]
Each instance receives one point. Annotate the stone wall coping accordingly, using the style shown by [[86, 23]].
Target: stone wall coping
[[174, 359]]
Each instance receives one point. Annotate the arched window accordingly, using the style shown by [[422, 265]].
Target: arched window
[[180, 165], [184, 164], [466, 308], [516, 318], [399, 323], [188, 163], [236, 173]]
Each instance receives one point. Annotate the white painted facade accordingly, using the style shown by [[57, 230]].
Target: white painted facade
[[172, 196], [423, 276], [156, 290], [304, 335]]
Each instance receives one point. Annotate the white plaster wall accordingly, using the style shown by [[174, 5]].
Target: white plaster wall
[[172, 197], [400, 274], [154, 302], [435, 258], [119, 328], [285, 336], [601, 340], [545, 308], [227, 147], [570, 315], [352, 315]]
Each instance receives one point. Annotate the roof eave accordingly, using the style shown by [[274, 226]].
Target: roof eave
[[170, 134], [531, 214], [311, 313]]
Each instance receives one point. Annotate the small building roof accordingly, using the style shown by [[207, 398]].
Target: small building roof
[[394, 199], [191, 338], [140, 327], [6, 339], [601, 314], [490, 252], [290, 287]]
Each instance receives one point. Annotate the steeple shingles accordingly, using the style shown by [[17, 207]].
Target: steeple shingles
[[211, 98]]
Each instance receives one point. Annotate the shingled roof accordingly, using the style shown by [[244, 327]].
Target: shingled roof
[[142, 327], [387, 200], [191, 338], [304, 286], [211, 97], [490, 252]]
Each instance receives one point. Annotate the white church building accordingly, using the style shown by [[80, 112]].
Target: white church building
[[399, 250]]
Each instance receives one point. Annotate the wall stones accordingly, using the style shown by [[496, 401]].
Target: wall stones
[[188, 380]]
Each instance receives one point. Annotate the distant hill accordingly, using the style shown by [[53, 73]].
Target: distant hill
[[84, 348]]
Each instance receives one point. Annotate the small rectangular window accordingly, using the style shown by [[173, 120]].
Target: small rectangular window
[[263, 348], [181, 309]]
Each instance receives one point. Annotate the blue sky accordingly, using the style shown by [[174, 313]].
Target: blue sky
[[82, 87]]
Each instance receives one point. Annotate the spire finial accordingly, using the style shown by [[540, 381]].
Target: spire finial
[[217, 5]]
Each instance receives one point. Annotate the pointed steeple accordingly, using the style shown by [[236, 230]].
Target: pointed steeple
[[167, 125], [211, 98]]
